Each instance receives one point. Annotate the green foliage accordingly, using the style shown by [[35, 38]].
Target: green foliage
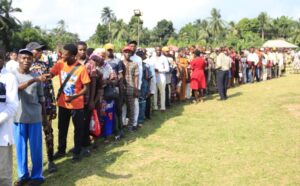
[[163, 31], [8, 23], [213, 31]]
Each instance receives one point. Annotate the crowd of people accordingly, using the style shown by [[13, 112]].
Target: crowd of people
[[120, 92]]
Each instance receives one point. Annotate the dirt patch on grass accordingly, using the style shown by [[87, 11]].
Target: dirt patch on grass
[[294, 109]]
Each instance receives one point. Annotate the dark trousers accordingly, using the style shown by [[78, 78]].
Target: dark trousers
[[168, 101], [48, 133], [64, 116], [148, 107], [86, 127], [222, 83], [118, 122]]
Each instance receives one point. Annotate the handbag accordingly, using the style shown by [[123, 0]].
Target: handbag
[[111, 92], [95, 127]]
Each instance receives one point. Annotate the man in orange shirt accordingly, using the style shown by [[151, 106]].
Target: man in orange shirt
[[70, 101]]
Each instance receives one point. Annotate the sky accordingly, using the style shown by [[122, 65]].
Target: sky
[[82, 16]]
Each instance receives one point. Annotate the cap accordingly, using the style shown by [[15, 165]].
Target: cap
[[25, 51], [127, 48], [165, 49], [109, 46], [34, 46]]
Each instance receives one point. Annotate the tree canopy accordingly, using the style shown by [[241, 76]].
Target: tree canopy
[[212, 31]]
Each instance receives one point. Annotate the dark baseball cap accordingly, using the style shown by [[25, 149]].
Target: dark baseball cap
[[34, 46], [25, 51]]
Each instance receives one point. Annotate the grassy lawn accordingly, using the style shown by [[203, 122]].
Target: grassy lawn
[[253, 138]]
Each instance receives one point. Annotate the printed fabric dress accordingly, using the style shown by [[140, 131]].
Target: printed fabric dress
[[198, 77]]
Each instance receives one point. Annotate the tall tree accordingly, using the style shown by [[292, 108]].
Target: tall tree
[[8, 23], [263, 20], [164, 30], [119, 30], [107, 17], [216, 24]]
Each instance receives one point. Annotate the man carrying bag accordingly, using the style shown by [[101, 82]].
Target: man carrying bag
[[74, 80]]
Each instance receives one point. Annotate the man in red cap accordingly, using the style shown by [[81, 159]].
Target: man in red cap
[[132, 83]]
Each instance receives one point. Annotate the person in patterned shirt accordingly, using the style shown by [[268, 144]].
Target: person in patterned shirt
[[49, 108]]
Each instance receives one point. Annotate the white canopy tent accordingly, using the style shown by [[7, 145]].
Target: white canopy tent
[[278, 44]]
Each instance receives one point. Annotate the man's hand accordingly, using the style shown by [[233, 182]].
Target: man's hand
[[91, 106], [43, 78]]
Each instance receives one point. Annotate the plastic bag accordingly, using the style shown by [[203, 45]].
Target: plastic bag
[[95, 127]]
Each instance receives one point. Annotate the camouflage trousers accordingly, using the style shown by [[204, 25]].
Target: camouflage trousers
[[48, 133]]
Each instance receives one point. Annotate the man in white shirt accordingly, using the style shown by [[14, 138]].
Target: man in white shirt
[[139, 61], [12, 65], [252, 61], [161, 68], [223, 66], [166, 52], [8, 108], [280, 59]]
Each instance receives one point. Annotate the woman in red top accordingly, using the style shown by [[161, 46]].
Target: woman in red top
[[198, 82]]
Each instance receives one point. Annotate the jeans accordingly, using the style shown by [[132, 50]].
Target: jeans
[[64, 116], [142, 105], [257, 73]]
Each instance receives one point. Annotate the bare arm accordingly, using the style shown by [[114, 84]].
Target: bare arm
[[41, 78]]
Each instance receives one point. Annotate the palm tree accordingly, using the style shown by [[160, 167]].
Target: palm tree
[[8, 23], [107, 17], [119, 30], [264, 21], [216, 24]]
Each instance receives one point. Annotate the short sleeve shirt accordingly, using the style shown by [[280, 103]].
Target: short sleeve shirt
[[116, 64], [74, 85]]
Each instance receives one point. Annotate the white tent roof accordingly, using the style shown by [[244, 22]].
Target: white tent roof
[[278, 44]]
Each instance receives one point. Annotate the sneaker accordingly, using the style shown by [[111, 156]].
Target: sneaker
[[21, 182], [117, 137], [58, 155], [76, 158], [35, 182], [52, 167]]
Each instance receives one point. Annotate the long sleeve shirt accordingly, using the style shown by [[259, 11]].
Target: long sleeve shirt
[[161, 64], [8, 106]]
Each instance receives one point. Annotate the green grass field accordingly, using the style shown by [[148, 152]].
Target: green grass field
[[253, 138]]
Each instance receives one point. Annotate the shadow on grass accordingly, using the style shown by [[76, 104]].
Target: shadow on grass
[[106, 155], [216, 96], [235, 95]]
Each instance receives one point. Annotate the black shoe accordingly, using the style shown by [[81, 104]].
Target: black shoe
[[85, 152], [134, 128], [52, 167], [35, 182], [76, 158], [21, 182], [71, 150], [58, 155]]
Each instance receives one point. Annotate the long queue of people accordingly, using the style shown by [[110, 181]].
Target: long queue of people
[[122, 93]]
